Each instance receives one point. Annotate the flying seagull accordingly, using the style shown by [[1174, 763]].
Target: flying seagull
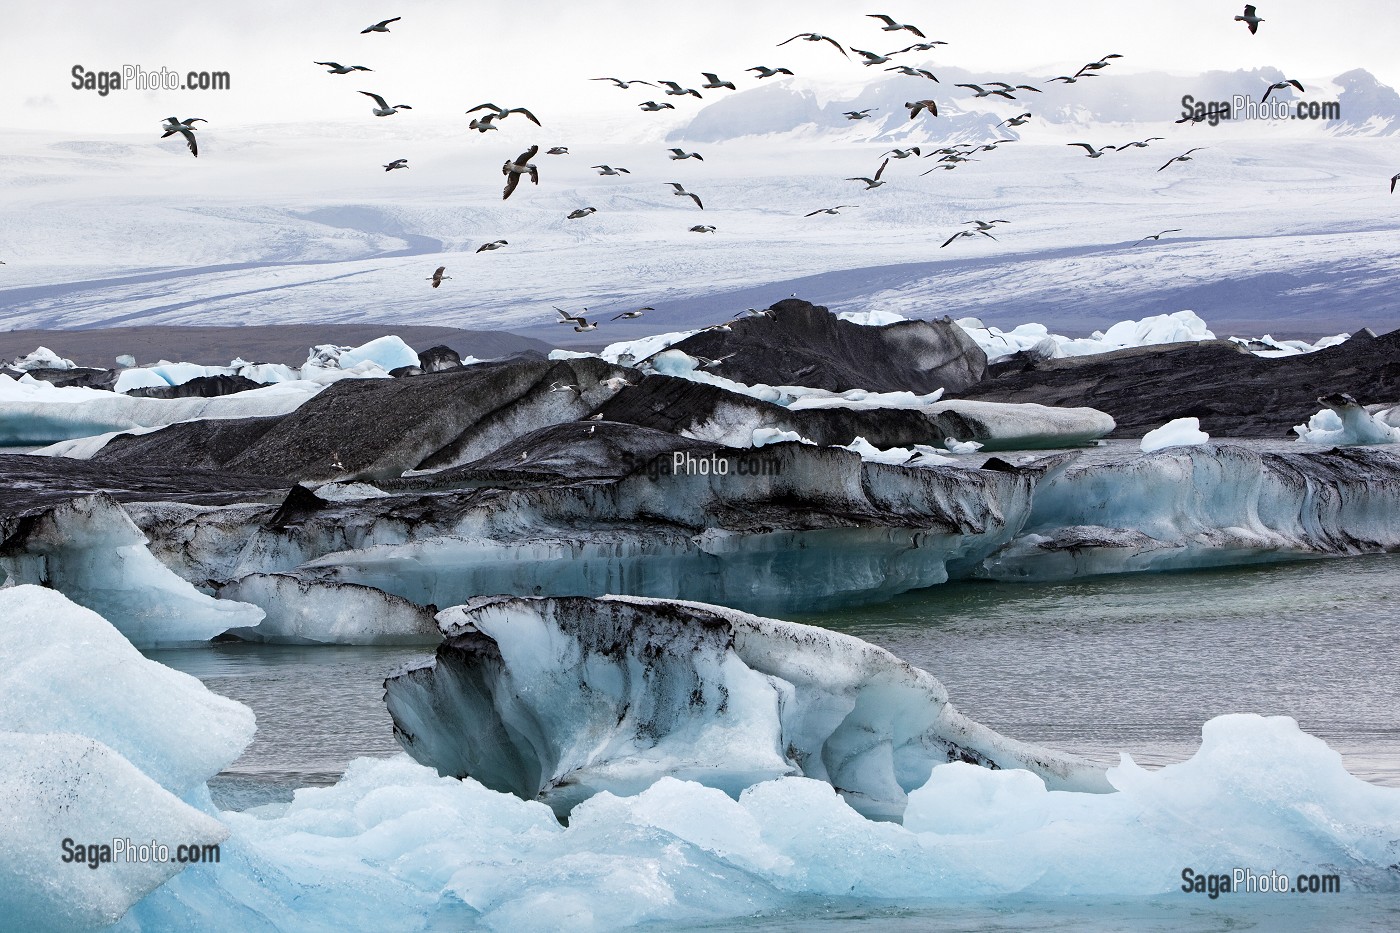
[[984, 225], [918, 46], [521, 166], [682, 154], [1279, 86], [919, 106], [1158, 236], [914, 72], [962, 233], [875, 182], [336, 68], [381, 26], [1184, 157], [1091, 151], [609, 170], [500, 113], [1140, 143], [703, 228], [859, 114], [482, 124], [1222, 112], [383, 109], [629, 315], [891, 25], [581, 212], [397, 163], [185, 128], [1393, 179], [1095, 66], [558, 150], [680, 192], [765, 72], [652, 106], [437, 276], [1019, 120], [618, 82], [675, 90], [829, 210], [815, 37], [567, 318], [493, 245], [713, 82], [871, 58], [1073, 79], [988, 92], [1249, 19], [904, 153]]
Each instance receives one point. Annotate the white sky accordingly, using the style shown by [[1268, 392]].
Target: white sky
[[446, 56]]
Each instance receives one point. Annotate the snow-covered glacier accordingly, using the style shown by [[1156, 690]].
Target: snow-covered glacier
[[560, 699]]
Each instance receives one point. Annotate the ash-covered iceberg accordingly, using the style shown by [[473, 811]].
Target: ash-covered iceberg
[[303, 611], [560, 699], [1205, 506], [88, 549]]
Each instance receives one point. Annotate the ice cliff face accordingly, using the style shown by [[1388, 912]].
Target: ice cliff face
[[559, 699]]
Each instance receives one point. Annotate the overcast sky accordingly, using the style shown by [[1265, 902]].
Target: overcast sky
[[446, 56]]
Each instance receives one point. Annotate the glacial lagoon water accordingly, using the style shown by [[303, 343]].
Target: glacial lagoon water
[[1097, 666]]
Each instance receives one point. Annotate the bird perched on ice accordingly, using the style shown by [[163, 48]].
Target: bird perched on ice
[[382, 108], [336, 68], [680, 192], [763, 71], [677, 154], [581, 213], [437, 277], [1184, 157], [381, 26], [185, 128], [493, 245], [396, 164], [1249, 19], [1281, 86], [521, 166]]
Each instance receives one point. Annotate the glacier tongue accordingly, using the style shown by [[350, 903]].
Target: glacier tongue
[[559, 699]]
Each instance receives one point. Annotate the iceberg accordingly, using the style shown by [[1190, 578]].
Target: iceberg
[[1179, 432], [315, 612], [561, 699], [1344, 423], [89, 549]]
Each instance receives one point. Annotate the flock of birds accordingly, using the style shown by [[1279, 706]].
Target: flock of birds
[[486, 117]]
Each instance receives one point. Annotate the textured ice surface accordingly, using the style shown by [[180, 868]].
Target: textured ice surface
[[1203, 506], [1180, 432], [308, 611], [1344, 423], [561, 699], [393, 845], [41, 358], [88, 549], [64, 668]]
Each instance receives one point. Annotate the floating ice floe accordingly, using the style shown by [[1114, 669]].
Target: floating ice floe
[[97, 744], [88, 549], [1180, 432], [684, 690], [41, 358], [315, 612], [1343, 422]]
